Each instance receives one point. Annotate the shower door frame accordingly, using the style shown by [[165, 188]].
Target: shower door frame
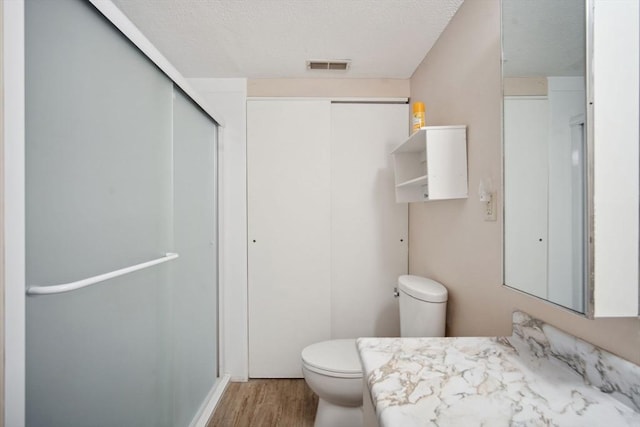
[[13, 195]]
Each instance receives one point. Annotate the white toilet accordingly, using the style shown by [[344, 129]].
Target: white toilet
[[332, 368]]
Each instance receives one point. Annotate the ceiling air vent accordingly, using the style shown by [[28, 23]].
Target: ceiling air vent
[[336, 65]]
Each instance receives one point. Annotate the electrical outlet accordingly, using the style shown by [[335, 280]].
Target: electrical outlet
[[490, 209]]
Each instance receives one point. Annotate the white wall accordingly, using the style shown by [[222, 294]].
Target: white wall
[[228, 98]]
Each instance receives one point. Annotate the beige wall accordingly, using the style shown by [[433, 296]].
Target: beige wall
[[329, 88], [459, 81], [525, 86]]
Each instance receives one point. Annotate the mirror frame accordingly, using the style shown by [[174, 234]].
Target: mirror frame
[[590, 232]]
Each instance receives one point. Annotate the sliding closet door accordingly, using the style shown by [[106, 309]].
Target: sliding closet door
[[327, 239], [369, 245], [288, 161], [194, 279], [99, 194]]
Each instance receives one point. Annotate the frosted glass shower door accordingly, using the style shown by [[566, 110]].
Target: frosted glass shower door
[[194, 279], [98, 199], [120, 171]]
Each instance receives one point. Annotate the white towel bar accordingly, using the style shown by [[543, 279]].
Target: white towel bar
[[72, 286]]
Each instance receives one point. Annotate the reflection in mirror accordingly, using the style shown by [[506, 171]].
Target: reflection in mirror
[[544, 146]]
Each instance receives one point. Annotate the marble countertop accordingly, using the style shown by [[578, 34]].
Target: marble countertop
[[538, 376]]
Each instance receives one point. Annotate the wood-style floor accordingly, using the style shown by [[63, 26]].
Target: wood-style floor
[[266, 403]]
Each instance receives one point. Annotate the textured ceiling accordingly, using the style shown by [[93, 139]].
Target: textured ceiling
[[274, 38], [543, 38]]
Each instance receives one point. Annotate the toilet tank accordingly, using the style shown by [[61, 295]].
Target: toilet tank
[[423, 307]]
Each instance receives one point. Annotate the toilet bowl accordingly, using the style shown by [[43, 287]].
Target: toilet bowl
[[332, 368]]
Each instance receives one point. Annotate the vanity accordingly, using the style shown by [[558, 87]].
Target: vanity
[[538, 376]]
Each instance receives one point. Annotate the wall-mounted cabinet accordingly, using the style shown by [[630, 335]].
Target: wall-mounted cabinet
[[616, 117], [432, 165]]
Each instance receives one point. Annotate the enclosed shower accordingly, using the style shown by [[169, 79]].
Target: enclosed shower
[[121, 229]]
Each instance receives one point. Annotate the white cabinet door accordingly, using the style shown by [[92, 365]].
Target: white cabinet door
[[616, 54], [288, 163], [368, 228]]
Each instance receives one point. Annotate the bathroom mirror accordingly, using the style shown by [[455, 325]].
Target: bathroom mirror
[[544, 149]]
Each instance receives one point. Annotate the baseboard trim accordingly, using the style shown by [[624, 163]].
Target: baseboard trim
[[209, 405]]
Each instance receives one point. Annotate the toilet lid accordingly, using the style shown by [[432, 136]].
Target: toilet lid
[[422, 288], [334, 358]]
